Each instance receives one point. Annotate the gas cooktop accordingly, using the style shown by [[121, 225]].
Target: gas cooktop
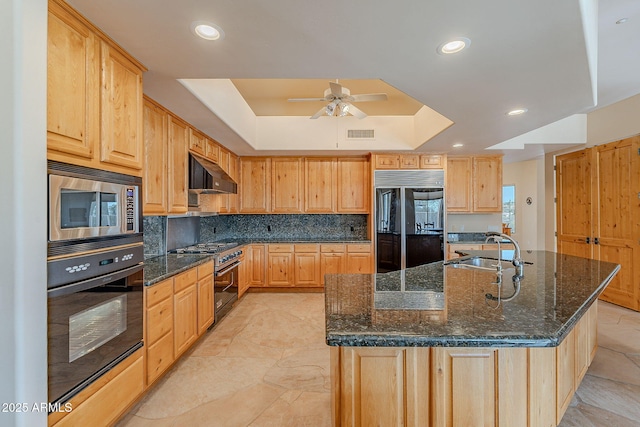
[[206, 248]]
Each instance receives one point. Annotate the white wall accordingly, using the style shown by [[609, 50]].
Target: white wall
[[23, 215], [530, 219], [614, 122]]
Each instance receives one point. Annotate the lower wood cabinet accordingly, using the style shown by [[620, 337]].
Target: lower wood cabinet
[[280, 270], [255, 268], [306, 263], [333, 259], [159, 329], [185, 311], [205, 297]]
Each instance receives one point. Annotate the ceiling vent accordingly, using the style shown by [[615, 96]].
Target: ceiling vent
[[360, 134]]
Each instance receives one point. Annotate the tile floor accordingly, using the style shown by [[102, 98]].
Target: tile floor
[[267, 364]]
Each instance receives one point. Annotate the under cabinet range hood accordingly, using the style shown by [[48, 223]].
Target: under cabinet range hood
[[206, 177]]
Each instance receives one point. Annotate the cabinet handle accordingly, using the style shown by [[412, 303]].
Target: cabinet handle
[[587, 240], [596, 241]]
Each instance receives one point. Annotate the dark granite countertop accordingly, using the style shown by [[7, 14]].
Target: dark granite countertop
[[162, 267], [299, 240], [439, 305]]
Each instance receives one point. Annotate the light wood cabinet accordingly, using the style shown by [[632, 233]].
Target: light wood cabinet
[[155, 160], [178, 166], [73, 86], [409, 161], [353, 185], [432, 161], [159, 329], [233, 199], [387, 161], [597, 211], [212, 150], [474, 184], [205, 297], [256, 260], [287, 185], [185, 311], [359, 259], [333, 259], [121, 110], [320, 185], [197, 142], [94, 96], [307, 265], [255, 185], [280, 271], [243, 274]]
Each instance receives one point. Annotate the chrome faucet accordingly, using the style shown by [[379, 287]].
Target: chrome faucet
[[517, 261]]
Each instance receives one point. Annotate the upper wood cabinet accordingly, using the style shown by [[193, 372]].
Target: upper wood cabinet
[[212, 150], [408, 161], [320, 189], [197, 142], [255, 185], [287, 185], [178, 166], [474, 184], [155, 159], [353, 188], [94, 98]]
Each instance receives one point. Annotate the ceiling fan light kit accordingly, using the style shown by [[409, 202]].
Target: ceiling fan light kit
[[340, 100]]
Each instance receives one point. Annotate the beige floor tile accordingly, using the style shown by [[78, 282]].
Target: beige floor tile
[[615, 366], [305, 410], [617, 398]]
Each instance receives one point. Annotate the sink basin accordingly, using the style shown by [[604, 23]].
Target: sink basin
[[479, 263]]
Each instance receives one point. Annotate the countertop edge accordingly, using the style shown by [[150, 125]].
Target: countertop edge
[[196, 261]]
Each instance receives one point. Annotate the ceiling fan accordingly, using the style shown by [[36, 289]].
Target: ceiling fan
[[340, 100]]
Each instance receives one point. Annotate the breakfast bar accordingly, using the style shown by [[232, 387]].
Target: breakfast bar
[[462, 344]]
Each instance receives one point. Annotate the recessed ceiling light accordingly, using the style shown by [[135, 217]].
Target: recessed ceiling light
[[622, 20], [453, 46], [458, 145], [207, 30], [517, 112]]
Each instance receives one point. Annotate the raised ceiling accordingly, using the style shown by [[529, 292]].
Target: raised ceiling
[[556, 58]]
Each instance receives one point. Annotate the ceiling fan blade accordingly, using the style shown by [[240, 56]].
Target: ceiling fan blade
[[336, 89], [369, 97], [355, 111], [305, 99], [320, 112]]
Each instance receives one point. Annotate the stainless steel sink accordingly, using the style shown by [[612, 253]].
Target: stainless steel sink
[[479, 263]]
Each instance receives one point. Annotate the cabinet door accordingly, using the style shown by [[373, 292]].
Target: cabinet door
[[387, 161], [121, 111], [307, 269], [409, 161], [205, 303], [224, 157], [280, 269], [212, 150], [185, 311], [565, 368], [487, 184], [197, 142], [358, 263], [232, 206], [320, 191], [256, 261], [432, 161], [178, 167], [458, 189], [155, 160], [73, 85], [353, 185], [332, 263], [255, 185], [287, 185]]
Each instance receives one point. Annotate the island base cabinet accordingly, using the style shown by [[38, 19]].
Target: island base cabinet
[[381, 386]]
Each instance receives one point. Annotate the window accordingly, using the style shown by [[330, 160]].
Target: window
[[509, 207]]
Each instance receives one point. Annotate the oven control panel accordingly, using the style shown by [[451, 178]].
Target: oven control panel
[[77, 268]]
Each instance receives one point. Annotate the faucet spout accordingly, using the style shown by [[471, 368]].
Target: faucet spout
[[517, 261]]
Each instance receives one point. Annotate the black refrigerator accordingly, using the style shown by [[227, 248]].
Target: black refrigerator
[[409, 217]]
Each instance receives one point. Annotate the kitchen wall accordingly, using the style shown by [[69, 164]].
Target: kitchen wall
[[23, 253]]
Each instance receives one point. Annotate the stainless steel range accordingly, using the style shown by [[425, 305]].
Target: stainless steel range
[[226, 261]]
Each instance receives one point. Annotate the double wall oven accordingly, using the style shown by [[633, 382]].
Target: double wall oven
[[94, 275]]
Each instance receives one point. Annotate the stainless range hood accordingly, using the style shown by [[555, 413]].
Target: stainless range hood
[[206, 177]]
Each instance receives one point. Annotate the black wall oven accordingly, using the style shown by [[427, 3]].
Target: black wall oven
[[94, 275]]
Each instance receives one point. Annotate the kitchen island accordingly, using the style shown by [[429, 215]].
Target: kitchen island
[[445, 345]]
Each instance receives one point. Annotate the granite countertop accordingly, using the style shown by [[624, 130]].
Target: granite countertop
[[439, 305], [158, 268], [298, 240]]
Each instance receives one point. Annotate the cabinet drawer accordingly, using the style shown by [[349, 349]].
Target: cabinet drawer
[[205, 270], [366, 248], [278, 247], [159, 292], [332, 248], [159, 320], [185, 279], [159, 357], [306, 247]]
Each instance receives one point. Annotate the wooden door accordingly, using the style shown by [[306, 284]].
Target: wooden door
[[155, 160], [353, 185], [574, 203], [178, 166], [287, 185], [73, 86], [458, 188], [487, 184], [616, 218], [121, 111], [320, 191], [255, 185]]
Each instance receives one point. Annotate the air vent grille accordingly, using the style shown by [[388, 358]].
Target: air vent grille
[[360, 134]]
